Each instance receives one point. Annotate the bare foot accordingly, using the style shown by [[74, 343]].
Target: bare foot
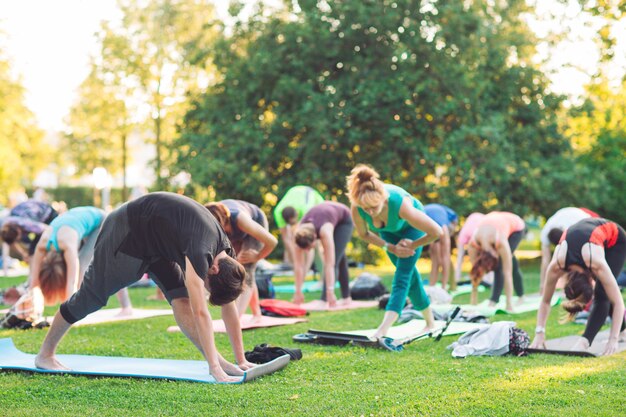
[[520, 301], [344, 301], [581, 345], [255, 319], [492, 303], [125, 312], [50, 363]]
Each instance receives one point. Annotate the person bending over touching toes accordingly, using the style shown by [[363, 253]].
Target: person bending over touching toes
[[591, 251], [63, 253], [296, 202], [386, 215], [491, 249], [330, 223], [246, 227], [440, 250], [464, 237], [180, 244], [35, 210], [551, 234]]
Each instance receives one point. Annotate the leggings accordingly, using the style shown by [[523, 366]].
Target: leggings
[[341, 236], [498, 279], [601, 307], [407, 279]]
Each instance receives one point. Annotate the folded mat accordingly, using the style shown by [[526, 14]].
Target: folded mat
[[246, 323], [12, 358], [531, 303], [319, 305], [411, 328], [308, 286], [110, 315], [563, 345]]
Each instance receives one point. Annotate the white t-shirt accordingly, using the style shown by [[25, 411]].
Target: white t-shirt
[[562, 219]]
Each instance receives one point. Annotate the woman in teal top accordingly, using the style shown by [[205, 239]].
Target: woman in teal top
[[63, 253], [402, 228]]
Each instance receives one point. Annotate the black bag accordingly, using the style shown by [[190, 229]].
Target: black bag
[[367, 287], [518, 341], [264, 284], [264, 353]]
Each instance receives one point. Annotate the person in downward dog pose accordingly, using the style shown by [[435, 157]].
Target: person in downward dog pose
[[590, 256], [385, 215], [492, 248], [331, 223], [63, 253], [464, 237], [246, 227], [553, 230], [181, 245]]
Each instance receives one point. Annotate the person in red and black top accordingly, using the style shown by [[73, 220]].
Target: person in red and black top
[[591, 250], [331, 223]]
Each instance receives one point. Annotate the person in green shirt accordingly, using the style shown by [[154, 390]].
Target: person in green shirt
[[385, 215]]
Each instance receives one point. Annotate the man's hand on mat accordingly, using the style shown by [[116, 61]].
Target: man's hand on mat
[[298, 298], [611, 346], [50, 363], [539, 342], [248, 256]]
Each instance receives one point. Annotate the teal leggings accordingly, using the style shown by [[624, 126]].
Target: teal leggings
[[406, 280]]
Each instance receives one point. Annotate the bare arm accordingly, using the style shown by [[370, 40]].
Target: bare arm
[[35, 263], [553, 272], [420, 220], [249, 226], [299, 271], [328, 243], [287, 237], [445, 254], [230, 315], [70, 254], [460, 253], [545, 261], [203, 323]]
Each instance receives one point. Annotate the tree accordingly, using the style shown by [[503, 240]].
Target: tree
[[99, 124], [598, 129], [21, 141], [146, 56], [441, 97]]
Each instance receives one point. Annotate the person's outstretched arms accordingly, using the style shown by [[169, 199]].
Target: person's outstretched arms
[[254, 229], [230, 315], [299, 272], [553, 272], [203, 323], [419, 220]]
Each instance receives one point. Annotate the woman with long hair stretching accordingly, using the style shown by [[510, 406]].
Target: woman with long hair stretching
[[385, 215], [246, 227], [591, 251]]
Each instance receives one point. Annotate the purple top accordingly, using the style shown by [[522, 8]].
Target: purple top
[[327, 212], [26, 225]]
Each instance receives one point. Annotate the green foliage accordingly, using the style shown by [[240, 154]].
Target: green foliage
[[80, 196], [598, 129], [22, 149], [441, 98]]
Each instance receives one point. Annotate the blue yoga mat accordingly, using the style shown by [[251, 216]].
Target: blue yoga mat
[[183, 370]]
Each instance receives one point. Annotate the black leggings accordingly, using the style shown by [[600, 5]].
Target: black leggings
[[601, 307], [498, 278], [341, 235]]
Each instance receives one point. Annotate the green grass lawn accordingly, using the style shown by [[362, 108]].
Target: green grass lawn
[[328, 381]]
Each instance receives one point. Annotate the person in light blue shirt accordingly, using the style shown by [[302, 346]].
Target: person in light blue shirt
[[440, 250]]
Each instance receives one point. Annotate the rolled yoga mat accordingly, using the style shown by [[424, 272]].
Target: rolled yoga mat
[[563, 346], [12, 358]]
